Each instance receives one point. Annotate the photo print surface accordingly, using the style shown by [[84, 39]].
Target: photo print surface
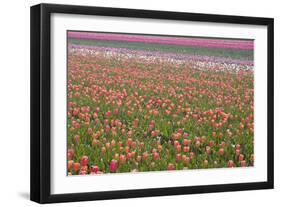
[[142, 103]]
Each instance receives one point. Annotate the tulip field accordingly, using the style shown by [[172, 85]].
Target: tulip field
[[139, 103]]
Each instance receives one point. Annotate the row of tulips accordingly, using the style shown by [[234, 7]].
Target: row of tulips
[[161, 56], [181, 41]]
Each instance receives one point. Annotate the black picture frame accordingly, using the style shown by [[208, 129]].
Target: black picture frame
[[41, 96]]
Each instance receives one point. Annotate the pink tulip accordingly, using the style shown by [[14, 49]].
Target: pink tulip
[[108, 114], [144, 156], [185, 142], [155, 156], [222, 144], [221, 151], [170, 166], [230, 163], [243, 163], [113, 166], [70, 153], [186, 149], [95, 169], [77, 137], [211, 143], [241, 157], [178, 157], [122, 159], [185, 159], [237, 152]]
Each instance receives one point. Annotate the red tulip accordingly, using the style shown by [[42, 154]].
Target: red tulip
[[127, 149], [129, 141], [76, 166], [84, 160]]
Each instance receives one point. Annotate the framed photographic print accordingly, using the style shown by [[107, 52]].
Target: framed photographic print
[[132, 103]]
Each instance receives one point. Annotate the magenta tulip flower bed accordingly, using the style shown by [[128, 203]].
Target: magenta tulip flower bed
[[139, 103]]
